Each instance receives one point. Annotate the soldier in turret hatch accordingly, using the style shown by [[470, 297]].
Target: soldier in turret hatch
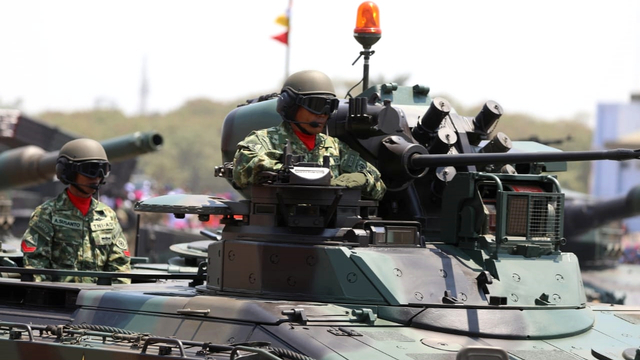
[[306, 102], [74, 231]]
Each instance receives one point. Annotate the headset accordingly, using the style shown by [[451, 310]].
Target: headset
[[65, 170], [286, 105]]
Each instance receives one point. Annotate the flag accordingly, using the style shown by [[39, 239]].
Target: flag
[[284, 21], [283, 38]]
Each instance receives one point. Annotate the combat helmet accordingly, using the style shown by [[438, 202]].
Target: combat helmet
[[82, 156], [311, 89]]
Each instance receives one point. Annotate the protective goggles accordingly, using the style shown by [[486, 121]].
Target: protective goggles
[[93, 169], [319, 105]]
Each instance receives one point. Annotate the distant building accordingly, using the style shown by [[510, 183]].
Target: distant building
[[617, 125]]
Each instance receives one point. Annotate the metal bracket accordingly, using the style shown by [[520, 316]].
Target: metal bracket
[[365, 315], [449, 299], [164, 349], [296, 315]]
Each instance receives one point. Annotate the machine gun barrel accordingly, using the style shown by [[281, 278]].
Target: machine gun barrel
[[431, 160], [31, 165]]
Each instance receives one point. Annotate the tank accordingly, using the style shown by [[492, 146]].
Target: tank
[[462, 259]]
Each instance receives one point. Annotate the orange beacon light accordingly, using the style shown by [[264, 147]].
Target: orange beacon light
[[368, 20], [367, 31]]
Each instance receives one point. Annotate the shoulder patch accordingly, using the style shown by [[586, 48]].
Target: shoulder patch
[[121, 243], [26, 248], [43, 228], [102, 225]]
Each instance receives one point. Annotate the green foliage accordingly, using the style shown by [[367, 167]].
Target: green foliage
[[191, 147], [191, 135]]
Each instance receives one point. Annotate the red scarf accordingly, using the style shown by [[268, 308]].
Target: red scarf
[[83, 204], [308, 140]]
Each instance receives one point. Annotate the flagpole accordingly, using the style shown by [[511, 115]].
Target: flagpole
[[286, 64], [286, 61], [285, 20]]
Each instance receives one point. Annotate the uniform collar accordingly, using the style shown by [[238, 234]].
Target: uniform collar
[[64, 203]]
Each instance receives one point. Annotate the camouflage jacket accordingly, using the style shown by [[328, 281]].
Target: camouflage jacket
[[60, 237], [262, 151]]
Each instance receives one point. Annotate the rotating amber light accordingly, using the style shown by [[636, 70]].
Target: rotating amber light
[[367, 31], [368, 20]]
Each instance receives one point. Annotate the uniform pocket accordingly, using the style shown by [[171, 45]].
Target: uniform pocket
[[334, 162], [65, 249]]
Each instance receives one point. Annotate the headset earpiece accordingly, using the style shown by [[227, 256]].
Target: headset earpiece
[[63, 170], [286, 104]]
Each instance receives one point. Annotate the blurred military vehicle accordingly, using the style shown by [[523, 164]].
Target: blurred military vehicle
[[28, 153], [594, 228], [460, 260]]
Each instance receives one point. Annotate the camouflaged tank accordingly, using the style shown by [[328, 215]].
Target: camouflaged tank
[[462, 258]]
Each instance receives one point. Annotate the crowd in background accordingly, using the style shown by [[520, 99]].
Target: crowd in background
[[133, 193]]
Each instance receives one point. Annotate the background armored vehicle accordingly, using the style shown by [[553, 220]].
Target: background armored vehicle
[[462, 258], [594, 229]]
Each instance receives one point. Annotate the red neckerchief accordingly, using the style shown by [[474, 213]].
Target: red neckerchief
[[83, 204], [308, 140]]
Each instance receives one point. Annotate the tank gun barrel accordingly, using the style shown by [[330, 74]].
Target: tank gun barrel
[[129, 146], [583, 217], [31, 165], [436, 160]]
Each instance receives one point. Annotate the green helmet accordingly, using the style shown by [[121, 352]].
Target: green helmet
[[302, 84], [82, 156], [309, 82]]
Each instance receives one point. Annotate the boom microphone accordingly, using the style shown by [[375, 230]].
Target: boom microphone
[[313, 124], [94, 187]]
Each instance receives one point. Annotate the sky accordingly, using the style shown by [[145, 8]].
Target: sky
[[549, 59]]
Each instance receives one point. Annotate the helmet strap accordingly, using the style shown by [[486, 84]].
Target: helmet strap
[[79, 187], [75, 185]]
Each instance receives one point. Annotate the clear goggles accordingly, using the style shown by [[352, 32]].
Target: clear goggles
[[319, 105], [93, 169]]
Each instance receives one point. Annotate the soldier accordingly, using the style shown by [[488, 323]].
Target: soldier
[[305, 103], [74, 231]]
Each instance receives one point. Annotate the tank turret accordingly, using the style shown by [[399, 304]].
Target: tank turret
[[445, 236]]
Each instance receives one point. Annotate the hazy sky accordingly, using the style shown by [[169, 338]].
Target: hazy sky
[[548, 58]]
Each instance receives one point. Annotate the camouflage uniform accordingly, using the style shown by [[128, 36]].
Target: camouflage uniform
[[60, 237], [262, 151]]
